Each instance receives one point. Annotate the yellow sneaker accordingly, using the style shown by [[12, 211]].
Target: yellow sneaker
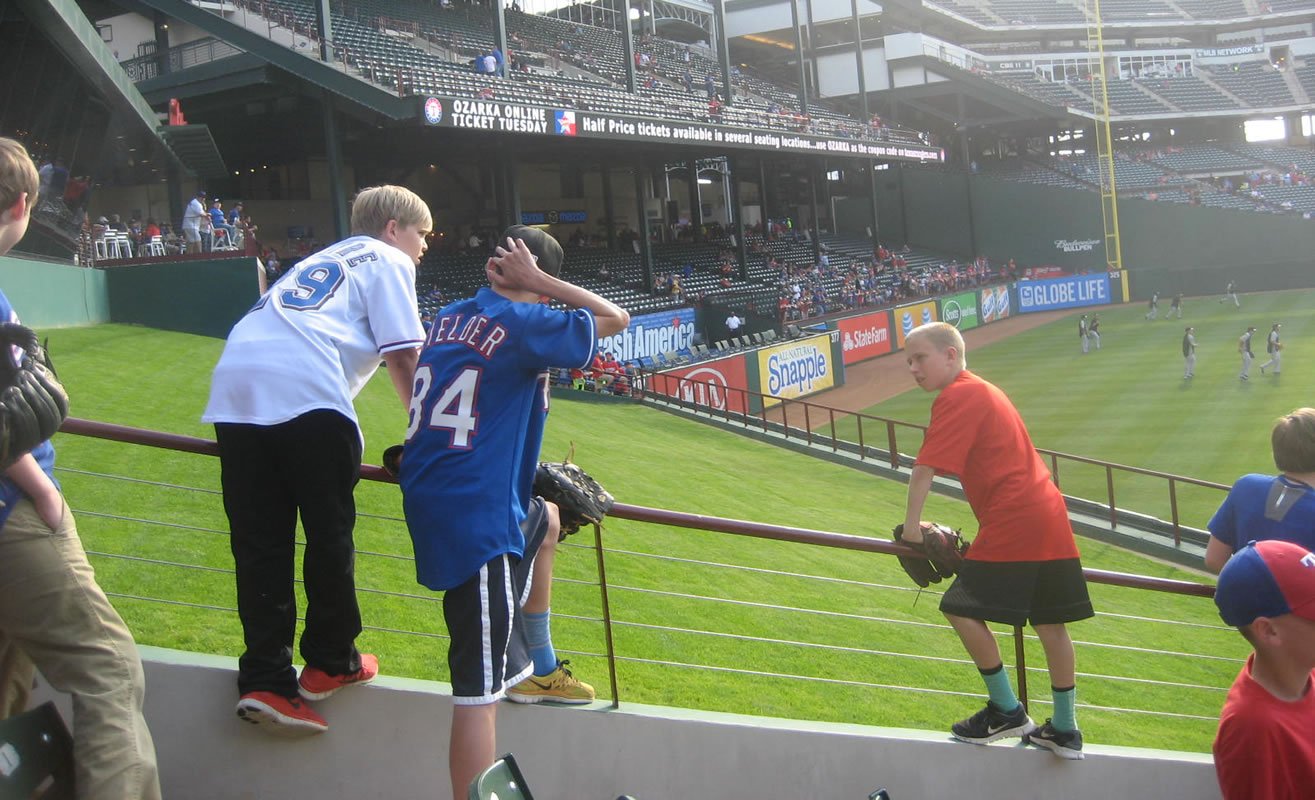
[[558, 686]]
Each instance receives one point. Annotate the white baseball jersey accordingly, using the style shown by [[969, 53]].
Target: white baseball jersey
[[314, 338]]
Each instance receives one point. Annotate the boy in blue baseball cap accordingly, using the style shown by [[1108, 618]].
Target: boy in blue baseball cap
[[1265, 747]]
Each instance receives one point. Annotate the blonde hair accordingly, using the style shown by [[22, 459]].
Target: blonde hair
[[1293, 441], [942, 336], [374, 207], [18, 175]]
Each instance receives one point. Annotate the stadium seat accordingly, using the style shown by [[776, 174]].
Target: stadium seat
[[757, 338], [769, 335], [502, 781], [721, 345], [37, 753]]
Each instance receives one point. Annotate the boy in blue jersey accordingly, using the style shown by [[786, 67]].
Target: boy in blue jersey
[[1261, 507], [54, 617], [472, 446]]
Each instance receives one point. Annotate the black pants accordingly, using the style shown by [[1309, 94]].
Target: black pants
[[311, 465]]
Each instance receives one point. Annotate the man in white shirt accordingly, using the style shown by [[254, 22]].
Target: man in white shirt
[[193, 218], [289, 445]]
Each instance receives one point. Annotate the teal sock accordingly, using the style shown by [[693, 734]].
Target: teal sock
[[539, 637], [1065, 717], [999, 688]]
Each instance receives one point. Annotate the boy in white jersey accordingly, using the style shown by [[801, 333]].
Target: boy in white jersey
[[289, 445]]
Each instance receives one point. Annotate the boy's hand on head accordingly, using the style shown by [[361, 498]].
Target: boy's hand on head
[[514, 265]]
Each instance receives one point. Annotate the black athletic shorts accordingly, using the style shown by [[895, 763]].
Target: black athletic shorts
[[488, 653], [1019, 592]]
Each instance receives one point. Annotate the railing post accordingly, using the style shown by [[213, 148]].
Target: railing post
[[862, 449], [890, 442], [808, 425], [607, 615], [785, 418], [835, 443], [1109, 489], [1173, 512], [1054, 468], [1020, 664]]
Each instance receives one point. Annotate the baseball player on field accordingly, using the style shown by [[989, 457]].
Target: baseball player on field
[[1244, 348], [1176, 306], [1093, 330], [289, 446], [1231, 294], [1154, 306], [1024, 566], [480, 534], [1275, 349], [1189, 352], [1083, 333]]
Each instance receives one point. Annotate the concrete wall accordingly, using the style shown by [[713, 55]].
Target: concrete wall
[[389, 740]]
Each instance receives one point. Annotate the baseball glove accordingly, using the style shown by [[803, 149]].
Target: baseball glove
[[392, 461], [580, 499], [940, 553], [33, 404]]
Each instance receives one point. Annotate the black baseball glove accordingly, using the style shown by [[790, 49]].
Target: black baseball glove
[[33, 404], [940, 553], [580, 499], [392, 461]]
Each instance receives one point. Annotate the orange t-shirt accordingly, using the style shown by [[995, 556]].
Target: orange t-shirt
[[977, 435]]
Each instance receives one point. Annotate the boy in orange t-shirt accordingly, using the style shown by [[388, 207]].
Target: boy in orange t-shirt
[[1023, 566]]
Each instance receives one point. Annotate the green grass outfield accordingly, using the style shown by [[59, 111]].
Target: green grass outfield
[[1128, 402], [674, 593]]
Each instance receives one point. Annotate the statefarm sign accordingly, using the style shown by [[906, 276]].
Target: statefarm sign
[[516, 118]]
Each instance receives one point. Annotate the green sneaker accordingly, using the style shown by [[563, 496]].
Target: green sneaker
[[558, 686]]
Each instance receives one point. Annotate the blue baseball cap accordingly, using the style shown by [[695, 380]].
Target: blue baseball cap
[[1267, 579]]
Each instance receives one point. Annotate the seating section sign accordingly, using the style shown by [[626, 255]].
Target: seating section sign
[[795, 369], [651, 335], [960, 310], [1074, 291], [502, 117], [911, 316], [865, 336], [720, 384]]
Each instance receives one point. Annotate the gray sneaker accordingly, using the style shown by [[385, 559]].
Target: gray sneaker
[[1065, 744]]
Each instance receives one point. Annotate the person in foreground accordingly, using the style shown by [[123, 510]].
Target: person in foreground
[[54, 617], [1271, 506], [1265, 746], [289, 444], [1024, 565], [472, 447]]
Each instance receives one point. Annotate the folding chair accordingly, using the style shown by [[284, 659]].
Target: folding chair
[[502, 781], [36, 755]]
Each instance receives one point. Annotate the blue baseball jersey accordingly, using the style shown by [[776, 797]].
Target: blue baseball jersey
[[476, 424], [44, 453], [1265, 507]]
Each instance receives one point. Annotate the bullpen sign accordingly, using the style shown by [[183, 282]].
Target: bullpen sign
[[1071, 292], [994, 304], [651, 334], [911, 316], [795, 369], [960, 310]]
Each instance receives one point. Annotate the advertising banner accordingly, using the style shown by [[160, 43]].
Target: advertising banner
[[712, 384], [994, 304], [911, 316], [651, 334], [795, 369], [1072, 292], [503, 117], [864, 337], [960, 310]]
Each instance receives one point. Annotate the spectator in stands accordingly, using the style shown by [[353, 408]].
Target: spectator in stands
[[1271, 507], [1265, 746], [235, 215], [219, 223], [151, 231], [55, 617], [710, 86], [476, 539], [1024, 565], [194, 219], [281, 459]]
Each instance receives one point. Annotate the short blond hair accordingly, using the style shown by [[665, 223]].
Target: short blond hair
[[1293, 441], [18, 175], [374, 207], [943, 336]]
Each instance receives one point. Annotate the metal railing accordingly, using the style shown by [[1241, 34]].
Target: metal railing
[[660, 517], [201, 51], [815, 425]]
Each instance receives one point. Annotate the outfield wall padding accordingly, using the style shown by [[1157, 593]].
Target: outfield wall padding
[[50, 295], [200, 297]]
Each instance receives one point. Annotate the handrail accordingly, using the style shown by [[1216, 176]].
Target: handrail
[[192, 444], [650, 384]]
